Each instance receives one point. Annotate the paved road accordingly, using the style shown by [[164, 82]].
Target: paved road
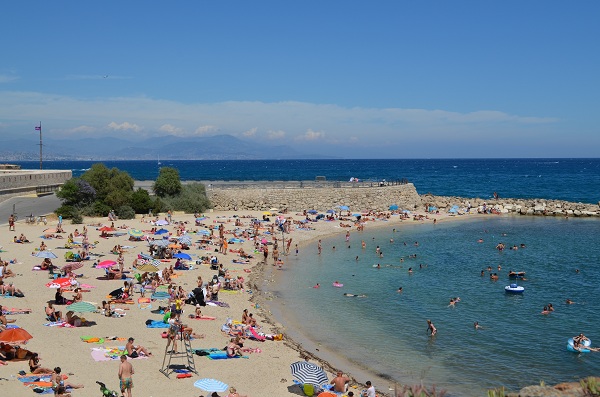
[[27, 205]]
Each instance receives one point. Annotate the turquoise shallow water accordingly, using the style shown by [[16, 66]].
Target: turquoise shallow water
[[385, 332]]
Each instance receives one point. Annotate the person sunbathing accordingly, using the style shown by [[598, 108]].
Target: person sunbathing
[[11, 290], [73, 319], [134, 351], [35, 367], [4, 321], [52, 314], [233, 349]]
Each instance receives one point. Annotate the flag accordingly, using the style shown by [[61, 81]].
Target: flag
[[38, 128]]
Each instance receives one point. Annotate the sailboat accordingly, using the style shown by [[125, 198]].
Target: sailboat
[[158, 159]]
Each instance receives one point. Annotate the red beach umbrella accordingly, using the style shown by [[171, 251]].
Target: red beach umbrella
[[14, 335], [63, 282], [105, 264], [106, 229]]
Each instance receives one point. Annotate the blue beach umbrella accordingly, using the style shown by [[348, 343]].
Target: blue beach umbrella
[[309, 373], [46, 254], [211, 385], [203, 232], [344, 207], [312, 212], [160, 243], [330, 211], [357, 215], [393, 207], [182, 255], [161, 231]]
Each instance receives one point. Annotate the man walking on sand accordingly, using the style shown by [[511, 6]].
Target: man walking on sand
[[125, 373]]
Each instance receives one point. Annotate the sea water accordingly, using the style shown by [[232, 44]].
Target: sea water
[[561, 179], [385, 332]]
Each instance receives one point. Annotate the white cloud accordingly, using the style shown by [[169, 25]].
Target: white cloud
[[170, 129], [125, 126], [279, 134], [311, 135], [301, 122], [250, 133], [206, 130], [86, 129]]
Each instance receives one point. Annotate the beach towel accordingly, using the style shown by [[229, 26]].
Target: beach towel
[[92, 339], [217, 303], [15, 311], [222, 356], [144, 303], [60, 324], [156, 324], [255, 335]]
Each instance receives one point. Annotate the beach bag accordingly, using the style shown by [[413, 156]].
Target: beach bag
[[308, 389]]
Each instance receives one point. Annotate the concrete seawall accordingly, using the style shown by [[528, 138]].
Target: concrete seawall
[[15, 182]]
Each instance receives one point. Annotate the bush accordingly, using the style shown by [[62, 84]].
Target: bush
[[125, 212], [96, 209], [66, 211], [167, 183], [76, 218], [191, 199], [141, 201]]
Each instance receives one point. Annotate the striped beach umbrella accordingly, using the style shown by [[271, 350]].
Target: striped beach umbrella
[[211, 385], [147, 267], [135, 233], [309, 373], [81, 307], [185, 239]]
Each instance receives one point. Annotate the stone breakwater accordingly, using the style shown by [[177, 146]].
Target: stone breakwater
[[379, 198], [298, 199], [513, 206]]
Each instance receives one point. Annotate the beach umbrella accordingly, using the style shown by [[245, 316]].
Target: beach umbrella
[[405, 211], [203, 232], [185, 239], [174, 246], [161, 231], [393, 207], [63, 282], [312, 212], [344, 207], [81, 307], [327, 394], [161, 222], [14, 335], [182, 255], [307, 372], [147, 267], [330, 211], [105, 264], [274, 209], [46, 254], [210, 385], [160, 243], [357, 215], [202, 218], [72, 266], [136, 233], [106, 229], [266, 213]]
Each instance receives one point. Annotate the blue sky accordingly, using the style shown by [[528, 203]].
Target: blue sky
[[358, 79]]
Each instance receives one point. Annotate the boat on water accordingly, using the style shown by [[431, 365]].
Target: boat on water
[[514, 289]]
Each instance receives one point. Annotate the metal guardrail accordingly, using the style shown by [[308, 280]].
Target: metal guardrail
[[299, 184], [47, 188]]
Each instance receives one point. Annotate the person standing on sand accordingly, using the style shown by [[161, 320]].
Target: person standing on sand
[[11, 223], [319, 247], [125, 373]]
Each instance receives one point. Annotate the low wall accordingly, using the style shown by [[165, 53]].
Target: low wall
[[321, 198], [21, 182]]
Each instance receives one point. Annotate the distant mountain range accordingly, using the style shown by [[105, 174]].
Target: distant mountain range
[[218, 147]]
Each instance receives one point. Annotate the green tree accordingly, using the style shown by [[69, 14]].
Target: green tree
[[167, 183], [141, 201]]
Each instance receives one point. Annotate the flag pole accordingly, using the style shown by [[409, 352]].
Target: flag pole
[[39, 128]]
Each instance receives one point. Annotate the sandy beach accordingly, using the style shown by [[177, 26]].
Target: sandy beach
[[264, 371]]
